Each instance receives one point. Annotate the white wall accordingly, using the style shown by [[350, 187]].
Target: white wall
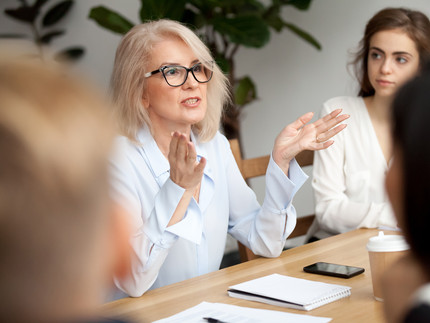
[[292, 77]]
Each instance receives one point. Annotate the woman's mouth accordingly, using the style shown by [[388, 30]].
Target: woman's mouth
[[191, 102], [384, 82]]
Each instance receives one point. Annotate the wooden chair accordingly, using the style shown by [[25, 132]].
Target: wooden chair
[[254, 167]]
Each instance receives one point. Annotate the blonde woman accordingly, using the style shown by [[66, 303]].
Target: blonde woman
[[175, 172]]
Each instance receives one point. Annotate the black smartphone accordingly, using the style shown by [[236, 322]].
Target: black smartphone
[[325, 268]]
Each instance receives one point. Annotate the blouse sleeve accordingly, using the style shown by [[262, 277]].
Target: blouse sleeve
[[150, 209], [334, 210], [265, 228]]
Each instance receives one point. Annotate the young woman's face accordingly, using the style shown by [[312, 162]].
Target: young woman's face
[[393, 59], [174, 108], [394, 186]]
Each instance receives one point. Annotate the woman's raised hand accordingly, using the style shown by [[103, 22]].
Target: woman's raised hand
[[300, 135], [185, 170]]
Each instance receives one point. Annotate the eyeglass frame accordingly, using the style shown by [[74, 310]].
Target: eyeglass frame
[[188, 69]]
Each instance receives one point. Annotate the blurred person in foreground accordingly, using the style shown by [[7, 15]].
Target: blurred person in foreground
[[407, 282], [61, 238]]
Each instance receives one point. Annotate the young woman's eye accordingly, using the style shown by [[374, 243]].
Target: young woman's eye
[[402, 60], [375, 55]]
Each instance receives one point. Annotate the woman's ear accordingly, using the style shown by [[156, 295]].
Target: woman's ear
[[120, 237], [145, 100]]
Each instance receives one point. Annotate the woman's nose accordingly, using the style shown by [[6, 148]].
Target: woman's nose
[[190, 82], [386, 67]]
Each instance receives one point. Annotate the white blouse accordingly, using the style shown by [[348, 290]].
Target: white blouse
[[194, 246], [349, 176]]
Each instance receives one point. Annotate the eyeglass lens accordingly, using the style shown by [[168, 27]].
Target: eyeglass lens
[[177, 75]]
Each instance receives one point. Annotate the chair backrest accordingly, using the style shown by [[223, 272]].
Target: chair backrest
[[254, 167]]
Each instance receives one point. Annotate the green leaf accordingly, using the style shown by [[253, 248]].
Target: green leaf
[[24, 14], [110, 20], [70, 54], [246, 30], [46, 39], [303, 34], [223, 63], [299, 4], [190, 18], [156, 9], [272, 17], [245, 91], [56, 13], [250, 6], [39, 3]]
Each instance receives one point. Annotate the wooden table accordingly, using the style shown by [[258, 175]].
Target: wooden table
[[348, 248]]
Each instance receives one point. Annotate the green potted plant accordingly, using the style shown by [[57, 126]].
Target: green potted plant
[[42, 28], [225, 26]]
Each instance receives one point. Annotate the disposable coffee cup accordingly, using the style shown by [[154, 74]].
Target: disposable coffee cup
[[384, 250]]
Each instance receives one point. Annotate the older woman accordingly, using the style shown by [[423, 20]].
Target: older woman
[[175, 172]]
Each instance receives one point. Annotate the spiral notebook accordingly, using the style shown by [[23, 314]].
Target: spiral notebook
[[289, 292]]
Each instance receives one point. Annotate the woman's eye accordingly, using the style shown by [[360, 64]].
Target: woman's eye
[[171, 71], [375, 55], [401, 60], [198, 68]]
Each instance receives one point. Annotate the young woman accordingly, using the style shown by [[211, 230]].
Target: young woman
[[407, 283], [175, 173], [348, 178]]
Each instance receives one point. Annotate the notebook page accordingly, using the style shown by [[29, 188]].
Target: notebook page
[[291, 289]]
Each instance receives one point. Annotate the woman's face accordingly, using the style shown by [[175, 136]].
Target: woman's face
[[394, 186], [174, 108], [393, 59]]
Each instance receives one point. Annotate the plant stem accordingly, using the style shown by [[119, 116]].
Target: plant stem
[[37, 39]]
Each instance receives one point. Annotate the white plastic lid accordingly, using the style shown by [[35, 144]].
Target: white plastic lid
[[387, 243]]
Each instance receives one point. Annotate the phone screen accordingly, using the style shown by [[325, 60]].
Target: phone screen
[[324, 268]]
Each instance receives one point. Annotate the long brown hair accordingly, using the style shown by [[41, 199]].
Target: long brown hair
[[414, 23]]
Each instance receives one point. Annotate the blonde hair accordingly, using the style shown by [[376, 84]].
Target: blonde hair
[[128, 81], [55, 137]]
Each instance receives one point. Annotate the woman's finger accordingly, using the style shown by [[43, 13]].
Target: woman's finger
[[330, 133], [324, 126], [300, 122], [200, 166], [191, 153], [173, 146], [327, 117], [181, 152]]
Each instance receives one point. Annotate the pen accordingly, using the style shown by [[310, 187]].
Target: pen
[[212, 320]]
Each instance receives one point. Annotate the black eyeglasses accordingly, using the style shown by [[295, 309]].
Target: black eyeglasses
[[176, 75]]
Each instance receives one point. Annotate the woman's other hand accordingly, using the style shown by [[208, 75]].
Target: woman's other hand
[[300, 135], [185, 170]]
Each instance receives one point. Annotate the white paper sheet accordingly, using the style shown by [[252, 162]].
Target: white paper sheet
[[238, 314]]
